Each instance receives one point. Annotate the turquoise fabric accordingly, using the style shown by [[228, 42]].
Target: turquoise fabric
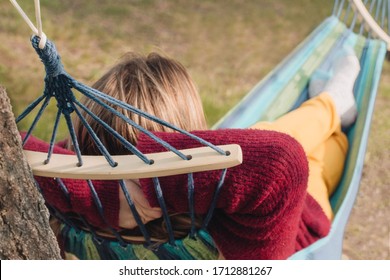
[[86, 246], [286, 88], [281, 91]]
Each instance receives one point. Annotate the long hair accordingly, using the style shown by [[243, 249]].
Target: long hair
[[154, 84]]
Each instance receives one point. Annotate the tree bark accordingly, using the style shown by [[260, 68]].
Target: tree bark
[[25, 232]]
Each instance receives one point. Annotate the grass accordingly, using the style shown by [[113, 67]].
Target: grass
[[227, 46]]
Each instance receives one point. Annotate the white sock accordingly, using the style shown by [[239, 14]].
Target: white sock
[[340, 87], [318, 81]]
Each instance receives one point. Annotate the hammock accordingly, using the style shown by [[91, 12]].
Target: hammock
[[281, 91], [285, 89]]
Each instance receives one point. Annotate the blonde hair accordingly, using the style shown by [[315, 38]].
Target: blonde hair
[[155, 84]]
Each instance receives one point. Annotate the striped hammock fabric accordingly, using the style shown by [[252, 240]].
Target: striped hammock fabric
[[286, 88]]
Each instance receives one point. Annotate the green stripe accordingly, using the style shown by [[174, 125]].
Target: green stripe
[[82, 245], [364, 94]]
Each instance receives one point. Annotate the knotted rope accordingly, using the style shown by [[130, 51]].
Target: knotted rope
[[60, 85]]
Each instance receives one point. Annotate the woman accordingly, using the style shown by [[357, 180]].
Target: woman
[[275, 203]]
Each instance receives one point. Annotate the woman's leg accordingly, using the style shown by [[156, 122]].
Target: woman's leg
[[311, 124], [317, 126], [326, 165]]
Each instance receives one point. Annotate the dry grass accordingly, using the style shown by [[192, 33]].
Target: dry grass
[[227, 47]]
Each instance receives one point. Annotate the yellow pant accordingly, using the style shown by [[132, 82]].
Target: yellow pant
[[316, 125]]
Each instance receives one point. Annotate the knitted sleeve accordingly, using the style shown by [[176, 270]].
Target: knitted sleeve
[[260, 205], [259, 208], [81, 200]]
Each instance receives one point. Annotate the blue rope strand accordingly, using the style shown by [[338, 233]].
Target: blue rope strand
[[65, 191], [347, 12], [214, 201], [161, 201], [191, 203], [373, 2], [95, 138], [74, 138], [83, 88], [135, 213], [383, 14], [96, 199], [353, 23], [378, 8], [371, 10], [123, 140], [132, 123], [58, 84], [99, 207], [372, 5], [37, 117], [30, 108], [335, 5], [388, 17], [340, 8], [49, 56], [363, 23], [53, 136]]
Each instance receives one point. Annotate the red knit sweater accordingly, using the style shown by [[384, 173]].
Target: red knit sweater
[[263, 210]]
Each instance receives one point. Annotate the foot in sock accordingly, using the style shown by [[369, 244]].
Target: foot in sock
[[318, 81], [340, 87]]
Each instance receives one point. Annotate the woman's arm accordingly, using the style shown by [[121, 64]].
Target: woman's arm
[[271, 161], [260, 204]]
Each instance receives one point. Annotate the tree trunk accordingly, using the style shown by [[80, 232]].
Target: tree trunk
[[25, 232]]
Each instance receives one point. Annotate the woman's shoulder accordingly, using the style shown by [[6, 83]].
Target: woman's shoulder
[[265, 149], [249, 138], [268, 153]]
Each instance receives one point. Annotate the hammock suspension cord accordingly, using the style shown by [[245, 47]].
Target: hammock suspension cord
[[59, 84]]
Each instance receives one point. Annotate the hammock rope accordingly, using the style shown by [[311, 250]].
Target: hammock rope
[[285, 88], [59, 84]]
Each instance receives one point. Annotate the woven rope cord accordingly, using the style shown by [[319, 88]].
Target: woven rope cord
[[60, 85]]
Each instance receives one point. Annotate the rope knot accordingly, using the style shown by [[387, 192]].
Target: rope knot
[[49, 56]]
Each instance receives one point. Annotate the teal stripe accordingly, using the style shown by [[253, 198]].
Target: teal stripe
[[82, 245], [281, 89], [345, 195], [366, 90]]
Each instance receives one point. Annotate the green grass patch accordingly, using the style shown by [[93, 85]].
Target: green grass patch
[[227, 46]]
